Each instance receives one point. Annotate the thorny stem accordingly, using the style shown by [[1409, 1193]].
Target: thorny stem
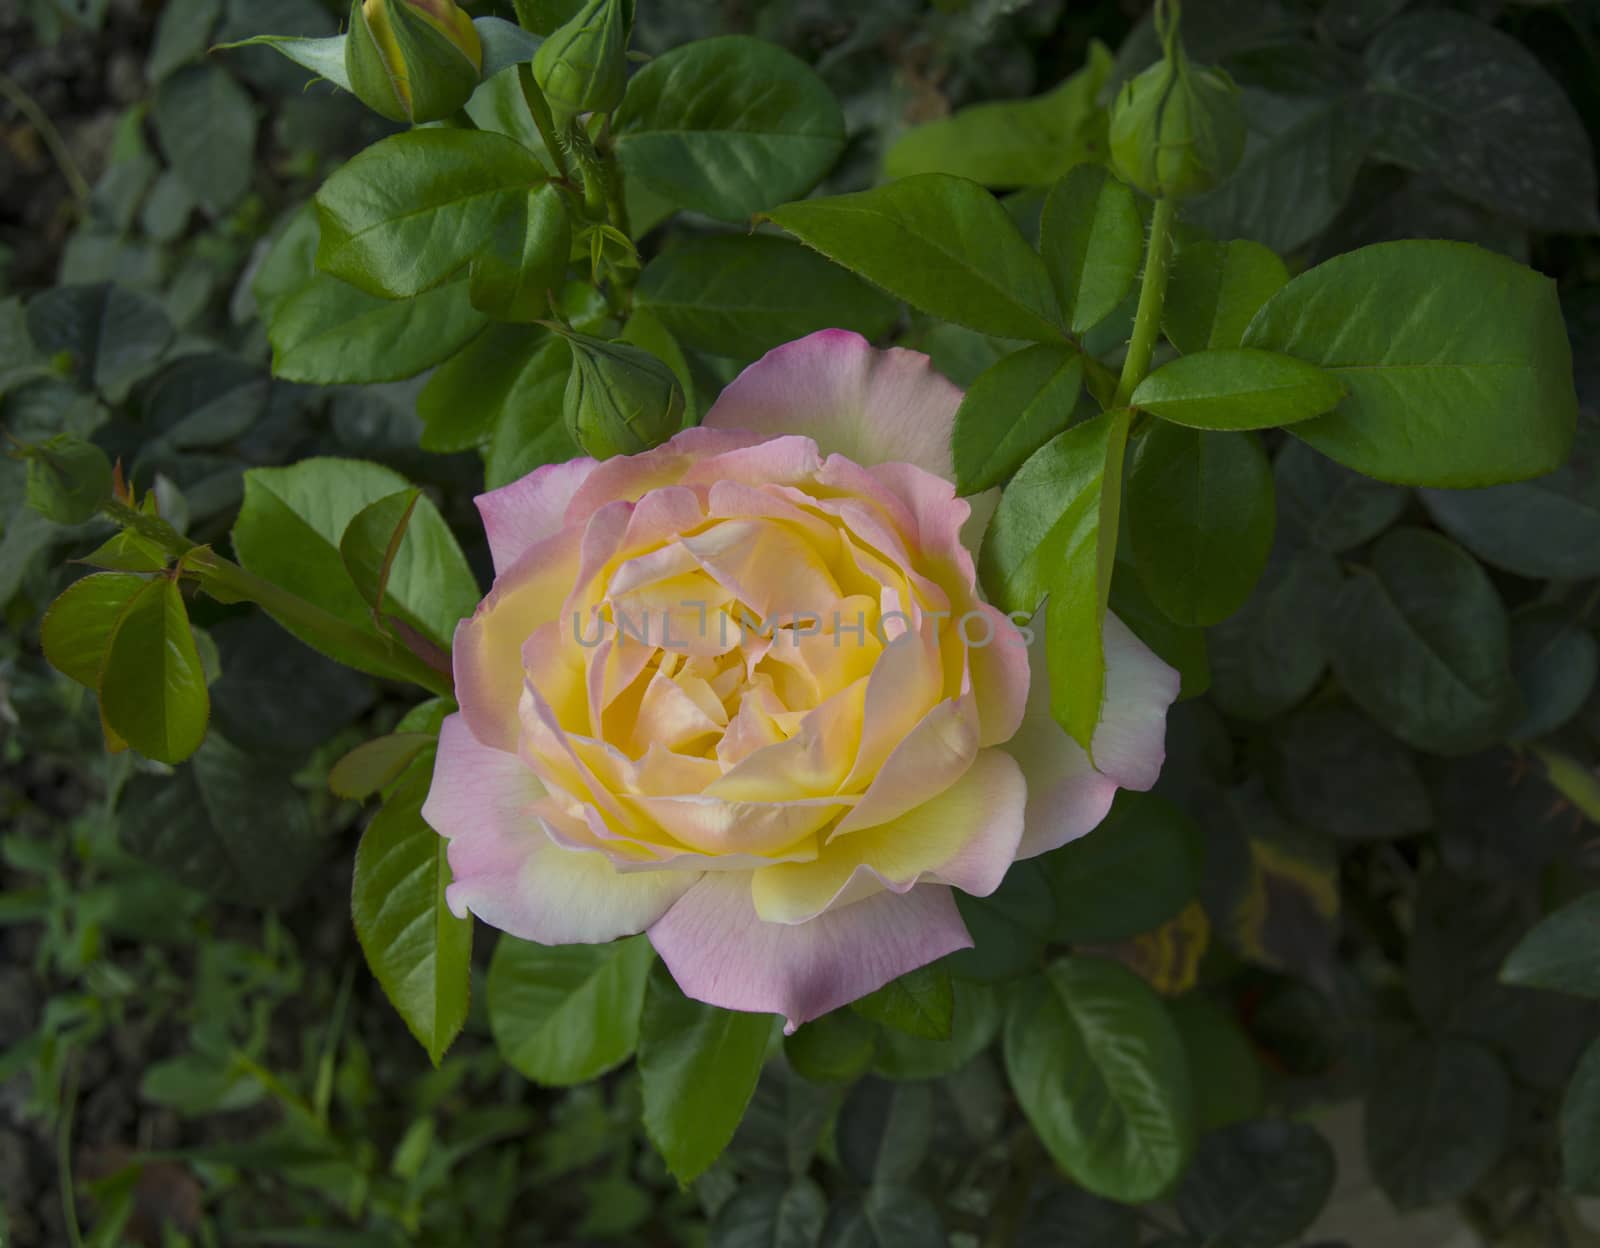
[[1152, 299]]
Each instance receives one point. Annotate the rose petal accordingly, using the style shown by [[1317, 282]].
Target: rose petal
[[530, 510], [722, 954], [873, 406], [510, 873]]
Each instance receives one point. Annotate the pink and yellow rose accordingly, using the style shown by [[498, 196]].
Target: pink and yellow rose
[[741, 692]]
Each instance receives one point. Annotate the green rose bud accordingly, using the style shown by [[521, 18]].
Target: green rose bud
[[68, 479], [620, 399], [1177, 129], [583, 66], [412, 60]]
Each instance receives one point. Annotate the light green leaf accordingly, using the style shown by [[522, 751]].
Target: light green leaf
[[1421, 643], [1011, 410], [566, 1014], [728, 127], [1214, 291], [942, 244], [1101, 1074], [523, 263], [463, 399], [418, 950], [410, 212], [153, 685], [1237, 388], [323, 57], [372, 540], [1092, 240], [740, 296], [530, 431], [698, 1066], [1438, 393], [1200, 520], [76, 630], [1009, 143], [374, 765], [505, 44]]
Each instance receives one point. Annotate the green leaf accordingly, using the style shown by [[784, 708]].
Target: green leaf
[[771, 1215], [1554, 661], [182, 32], [76, 631], [1180, 647], [1544, 529], [329, 333], [530, 431], [409, 213], [1237, 388], [1580, 1126], [1437, 1121], [463, 399], [564, 1015], [372, 540], [698, 1066], [226, 823], [1135, 871], [741, 296], [114, 336], [1561, 953], [1059, 1216], [1093, 243], [206, 125], [1257, 1184], [153, 685], [1214, 291], [1200, 520], [1008, 143], [918, 1003], [1466, 104], [204, 401], [836, 1048], [1224, 1071], [374, 765], [883, 1131], [1421, 643], [885, 1217], [1342, 775], [505, 44], [974, 1021], [419, 952], [522, 265], [728, 127], [323, 57], [1437, 393], [1009, 928], [1270, 653], [288, 532], [1011, 410], [1101, 1074], [1332, 507], [1054, 532], [942, 244]]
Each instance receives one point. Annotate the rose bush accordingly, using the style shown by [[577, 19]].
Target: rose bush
[[741, 692]]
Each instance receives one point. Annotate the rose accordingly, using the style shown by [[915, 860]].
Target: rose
[[836, 732]]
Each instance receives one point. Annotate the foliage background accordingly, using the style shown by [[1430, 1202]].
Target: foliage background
[[1330, 907]]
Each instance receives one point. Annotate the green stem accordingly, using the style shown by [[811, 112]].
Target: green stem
[[25, 104], [539, 110], [228, 582], [1152, 298]]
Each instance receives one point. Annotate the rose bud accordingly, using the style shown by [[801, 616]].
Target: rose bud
[[620, 399], [1177, 129], [583, 66], [412, 60]]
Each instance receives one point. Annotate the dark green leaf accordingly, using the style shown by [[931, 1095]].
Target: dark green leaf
[[1028, 142], [1009, 928], [418, 950], [1421, 643], [771, 1215], [1562, 953], [919, 1003], [741, 296], [698, 1066], [277, 697], [885, 1217], [182, 32], [942, 244], [206, 400], [1580, 1126], [884, 1130], [1011, 410], [1257, 1184], [114, 335], [466, 395], [521, 265], [567, 1014], [1554, 661], [1333, 507], [836, 1048], [728, 126], [1474, 108], [1437, 1121], [1179, 646], [974, 1021], [1344, 776], [1093, 242], [1131, 874], [1224, 1071], [374, 765], [1237, 388], [206, 125], [530, 431], [1437, 394], [1060, 1216], [1200, 520], [152, 685], [1214, 291], [76, 630], [1101, 1074]]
